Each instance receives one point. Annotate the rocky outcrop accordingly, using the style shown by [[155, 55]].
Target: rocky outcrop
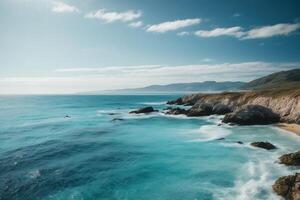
[[291, 159], [264, 145], [288, 187], [175, 111], [284, 103], [144, 110], [250, 115]]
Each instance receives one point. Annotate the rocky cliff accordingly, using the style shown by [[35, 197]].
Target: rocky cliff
[[284, 103]]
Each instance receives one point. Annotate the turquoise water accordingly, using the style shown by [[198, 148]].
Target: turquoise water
[[44, 155]]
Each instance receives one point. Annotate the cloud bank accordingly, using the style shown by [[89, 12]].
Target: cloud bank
[[72, 80]]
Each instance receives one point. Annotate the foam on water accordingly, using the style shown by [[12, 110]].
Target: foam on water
[[154, 103], [210, 132]]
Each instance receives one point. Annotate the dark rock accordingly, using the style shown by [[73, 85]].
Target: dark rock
[[221, 138], [219, 124], [251, 115], [111, 113], [202, 110], [175, 111], [143, 110], [291, 159], [288, 187], [67, 116], [264, 145], [117, 119], [177, 102], [239, 142], [221, 109]]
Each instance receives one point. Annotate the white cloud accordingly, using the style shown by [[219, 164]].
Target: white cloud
[[109, 17], [183, 33], [172, 25], [136, 24], [270, 31], [256, 33], [235, 31], [61, 7]]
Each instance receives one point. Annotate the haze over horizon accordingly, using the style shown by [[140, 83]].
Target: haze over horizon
[[68, 46]]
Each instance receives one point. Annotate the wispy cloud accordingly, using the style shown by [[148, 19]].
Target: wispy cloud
[[60, 7], [232, 31], [255, 33], [136, 24], [183, 33], [109, 16], [207, 71], [172, 25], [270, 31]]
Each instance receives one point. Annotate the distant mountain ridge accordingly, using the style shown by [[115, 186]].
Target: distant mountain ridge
[[280, 80], [205, 86]]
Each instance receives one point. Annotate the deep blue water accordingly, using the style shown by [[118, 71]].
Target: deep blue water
[[44, 155]]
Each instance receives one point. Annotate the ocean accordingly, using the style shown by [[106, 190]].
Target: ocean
[[69, 147]]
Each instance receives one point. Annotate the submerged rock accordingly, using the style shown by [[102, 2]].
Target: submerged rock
[[175, 111], [117, 119], [251, 115], [291, 159], [288, 187], [264, 145], [143, 110]]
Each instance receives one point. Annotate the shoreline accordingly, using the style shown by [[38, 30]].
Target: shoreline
[[294, 128]]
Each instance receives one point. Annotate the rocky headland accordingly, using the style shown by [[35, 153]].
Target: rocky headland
[[245, 108]]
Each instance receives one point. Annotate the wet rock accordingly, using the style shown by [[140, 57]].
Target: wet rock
[[291, 159], [202, 110], [221, 109], [143, 110], [176, 102], [239, 142], [175, 111], [251, 115], [288, 187], [264, 145], [221, 138], [67, 116]]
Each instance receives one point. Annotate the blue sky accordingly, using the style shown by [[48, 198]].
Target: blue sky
[[68, 46]]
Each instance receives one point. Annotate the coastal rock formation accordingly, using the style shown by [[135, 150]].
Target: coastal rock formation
[[291, 159], [264, 145], [175, 111], [284, 103], [250, 115], [202, 110], [144, 110], [288, 187]]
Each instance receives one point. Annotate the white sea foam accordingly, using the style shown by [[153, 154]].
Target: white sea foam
[[210, 132], [154, 103], [255, 179]]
